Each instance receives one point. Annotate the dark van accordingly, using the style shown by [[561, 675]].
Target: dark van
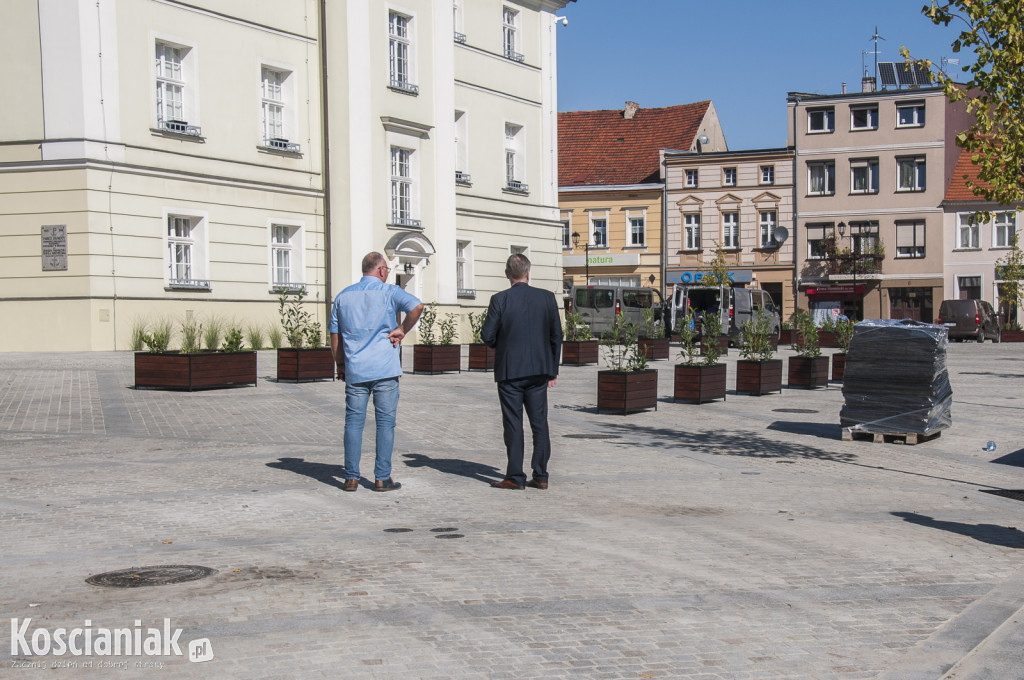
[[969, 319]]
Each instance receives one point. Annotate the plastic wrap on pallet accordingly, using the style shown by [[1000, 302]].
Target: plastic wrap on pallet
[[896, 379]]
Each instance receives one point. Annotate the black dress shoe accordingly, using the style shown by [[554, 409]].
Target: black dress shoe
[[534, 484], [506, 484]]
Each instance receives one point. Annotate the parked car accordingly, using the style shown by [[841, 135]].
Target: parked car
[[969, 319], [599, 305], [740, 306]]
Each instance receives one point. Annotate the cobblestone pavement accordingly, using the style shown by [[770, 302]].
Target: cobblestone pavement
[[737, 539]]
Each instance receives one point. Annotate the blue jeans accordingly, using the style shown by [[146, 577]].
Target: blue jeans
[[385, 405]]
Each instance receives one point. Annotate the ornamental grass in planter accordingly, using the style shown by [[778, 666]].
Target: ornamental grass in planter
[[481, 357], [757, 371], [843, 329], [808, 368], [629, 385], [307, 358], [699, 379], [578, 347], [191, 368], [654, 344], [436, 352]]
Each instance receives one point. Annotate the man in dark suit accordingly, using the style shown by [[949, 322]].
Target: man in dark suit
[[523, 326]]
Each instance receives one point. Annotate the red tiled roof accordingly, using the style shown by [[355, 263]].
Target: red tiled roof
[[964, 170], [602, 147]]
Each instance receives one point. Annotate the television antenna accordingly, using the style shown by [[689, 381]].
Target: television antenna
[[875, 38]]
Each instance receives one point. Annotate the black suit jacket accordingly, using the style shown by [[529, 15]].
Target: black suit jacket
[[523, 326]]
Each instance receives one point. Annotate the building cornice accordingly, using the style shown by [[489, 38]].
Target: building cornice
[[610, 188]]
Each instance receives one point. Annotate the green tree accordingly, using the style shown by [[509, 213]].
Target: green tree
[[993, 93], [1011, 271], [717, 273]]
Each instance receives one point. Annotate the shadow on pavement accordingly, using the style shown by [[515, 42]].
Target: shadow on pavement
[[821, 430], [454, 466], [1008, 537], [329, 474], [1016, 458]]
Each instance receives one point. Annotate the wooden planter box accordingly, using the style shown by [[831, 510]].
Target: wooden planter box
[[827, 339], [699, 383], [302, 365], [1012, 336], [654, 348], [176, 371], [759, 377], [723, 345], [481, 357], [579, 353], [434, 359], [838, 366], [625, 392], [786, 336], [809, 372]]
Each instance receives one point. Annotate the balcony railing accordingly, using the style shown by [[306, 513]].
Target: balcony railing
[[513, 55], [289, 287], [847, 265], [463, 178], [402, 221], [460, 38], [283, 145], [466, 292], [517, 186], [180, 127], [404, 86], [195, 284]]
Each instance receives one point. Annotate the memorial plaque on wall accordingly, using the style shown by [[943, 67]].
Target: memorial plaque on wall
[[55, 247]]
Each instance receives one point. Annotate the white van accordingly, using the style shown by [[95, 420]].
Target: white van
[[598, 306], [741, 305]]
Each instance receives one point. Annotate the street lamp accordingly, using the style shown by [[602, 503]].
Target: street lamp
[[586, 249], [855, 250]]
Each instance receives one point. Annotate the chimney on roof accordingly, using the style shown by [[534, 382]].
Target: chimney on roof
[[867, 84], [630, 110]]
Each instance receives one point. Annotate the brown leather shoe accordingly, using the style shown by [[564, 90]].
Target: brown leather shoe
[[351, 485], [506, 484], [386, 485], [534, 484]]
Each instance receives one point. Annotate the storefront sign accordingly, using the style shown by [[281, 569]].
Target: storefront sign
[[694, 276], [603, 260], [843, 289]]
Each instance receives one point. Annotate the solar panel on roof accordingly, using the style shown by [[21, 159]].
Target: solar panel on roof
[[904, 74], [887, 73], [922, 75]]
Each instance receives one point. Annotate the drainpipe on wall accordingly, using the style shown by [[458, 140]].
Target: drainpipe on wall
[[664, 224], [796, 213], [325, 159]]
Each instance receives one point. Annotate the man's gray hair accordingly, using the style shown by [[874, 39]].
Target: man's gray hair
[[517, 267], [372, 261]]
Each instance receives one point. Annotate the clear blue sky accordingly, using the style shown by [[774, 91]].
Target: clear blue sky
[[744, 55]]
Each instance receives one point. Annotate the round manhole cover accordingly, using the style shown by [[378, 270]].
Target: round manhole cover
[[162, 575], [444, 530], [397, 530], [592, 436], [450, 536], [793, 410]]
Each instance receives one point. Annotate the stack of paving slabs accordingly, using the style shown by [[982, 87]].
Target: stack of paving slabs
[[896, 379]]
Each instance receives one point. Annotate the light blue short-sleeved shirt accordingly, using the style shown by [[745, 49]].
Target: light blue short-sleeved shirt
[[363, 314]]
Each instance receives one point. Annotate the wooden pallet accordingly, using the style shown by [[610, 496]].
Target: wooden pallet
[[909, 438]]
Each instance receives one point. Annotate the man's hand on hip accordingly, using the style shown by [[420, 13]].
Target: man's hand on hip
[[396, 336]]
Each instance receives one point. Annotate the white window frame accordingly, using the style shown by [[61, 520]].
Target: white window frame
[[966, 231], [870, 168], [462, 175], [767, 173], [464, 274], [403, 184], [277, 97], [918, 174], [457, 22], [914, 251], [632, 231], [197, 247], [1004, 226], [691, 231], [729, 177], [962, 277], [731, 230], [871, 111], [917, 119], [598, 222], [515, 158], [510, 19], [294, 246], [402, 52], [827, 116], [767, 223], [567, 231], [821, 231], [828, 170], [691, 178], [175, 82]]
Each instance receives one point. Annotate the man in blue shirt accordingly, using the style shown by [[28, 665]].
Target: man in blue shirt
[[366, 316]]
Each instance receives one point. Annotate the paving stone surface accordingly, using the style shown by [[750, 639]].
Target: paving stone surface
[[740, 539]]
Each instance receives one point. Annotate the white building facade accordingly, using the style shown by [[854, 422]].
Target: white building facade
[[191, 160]]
